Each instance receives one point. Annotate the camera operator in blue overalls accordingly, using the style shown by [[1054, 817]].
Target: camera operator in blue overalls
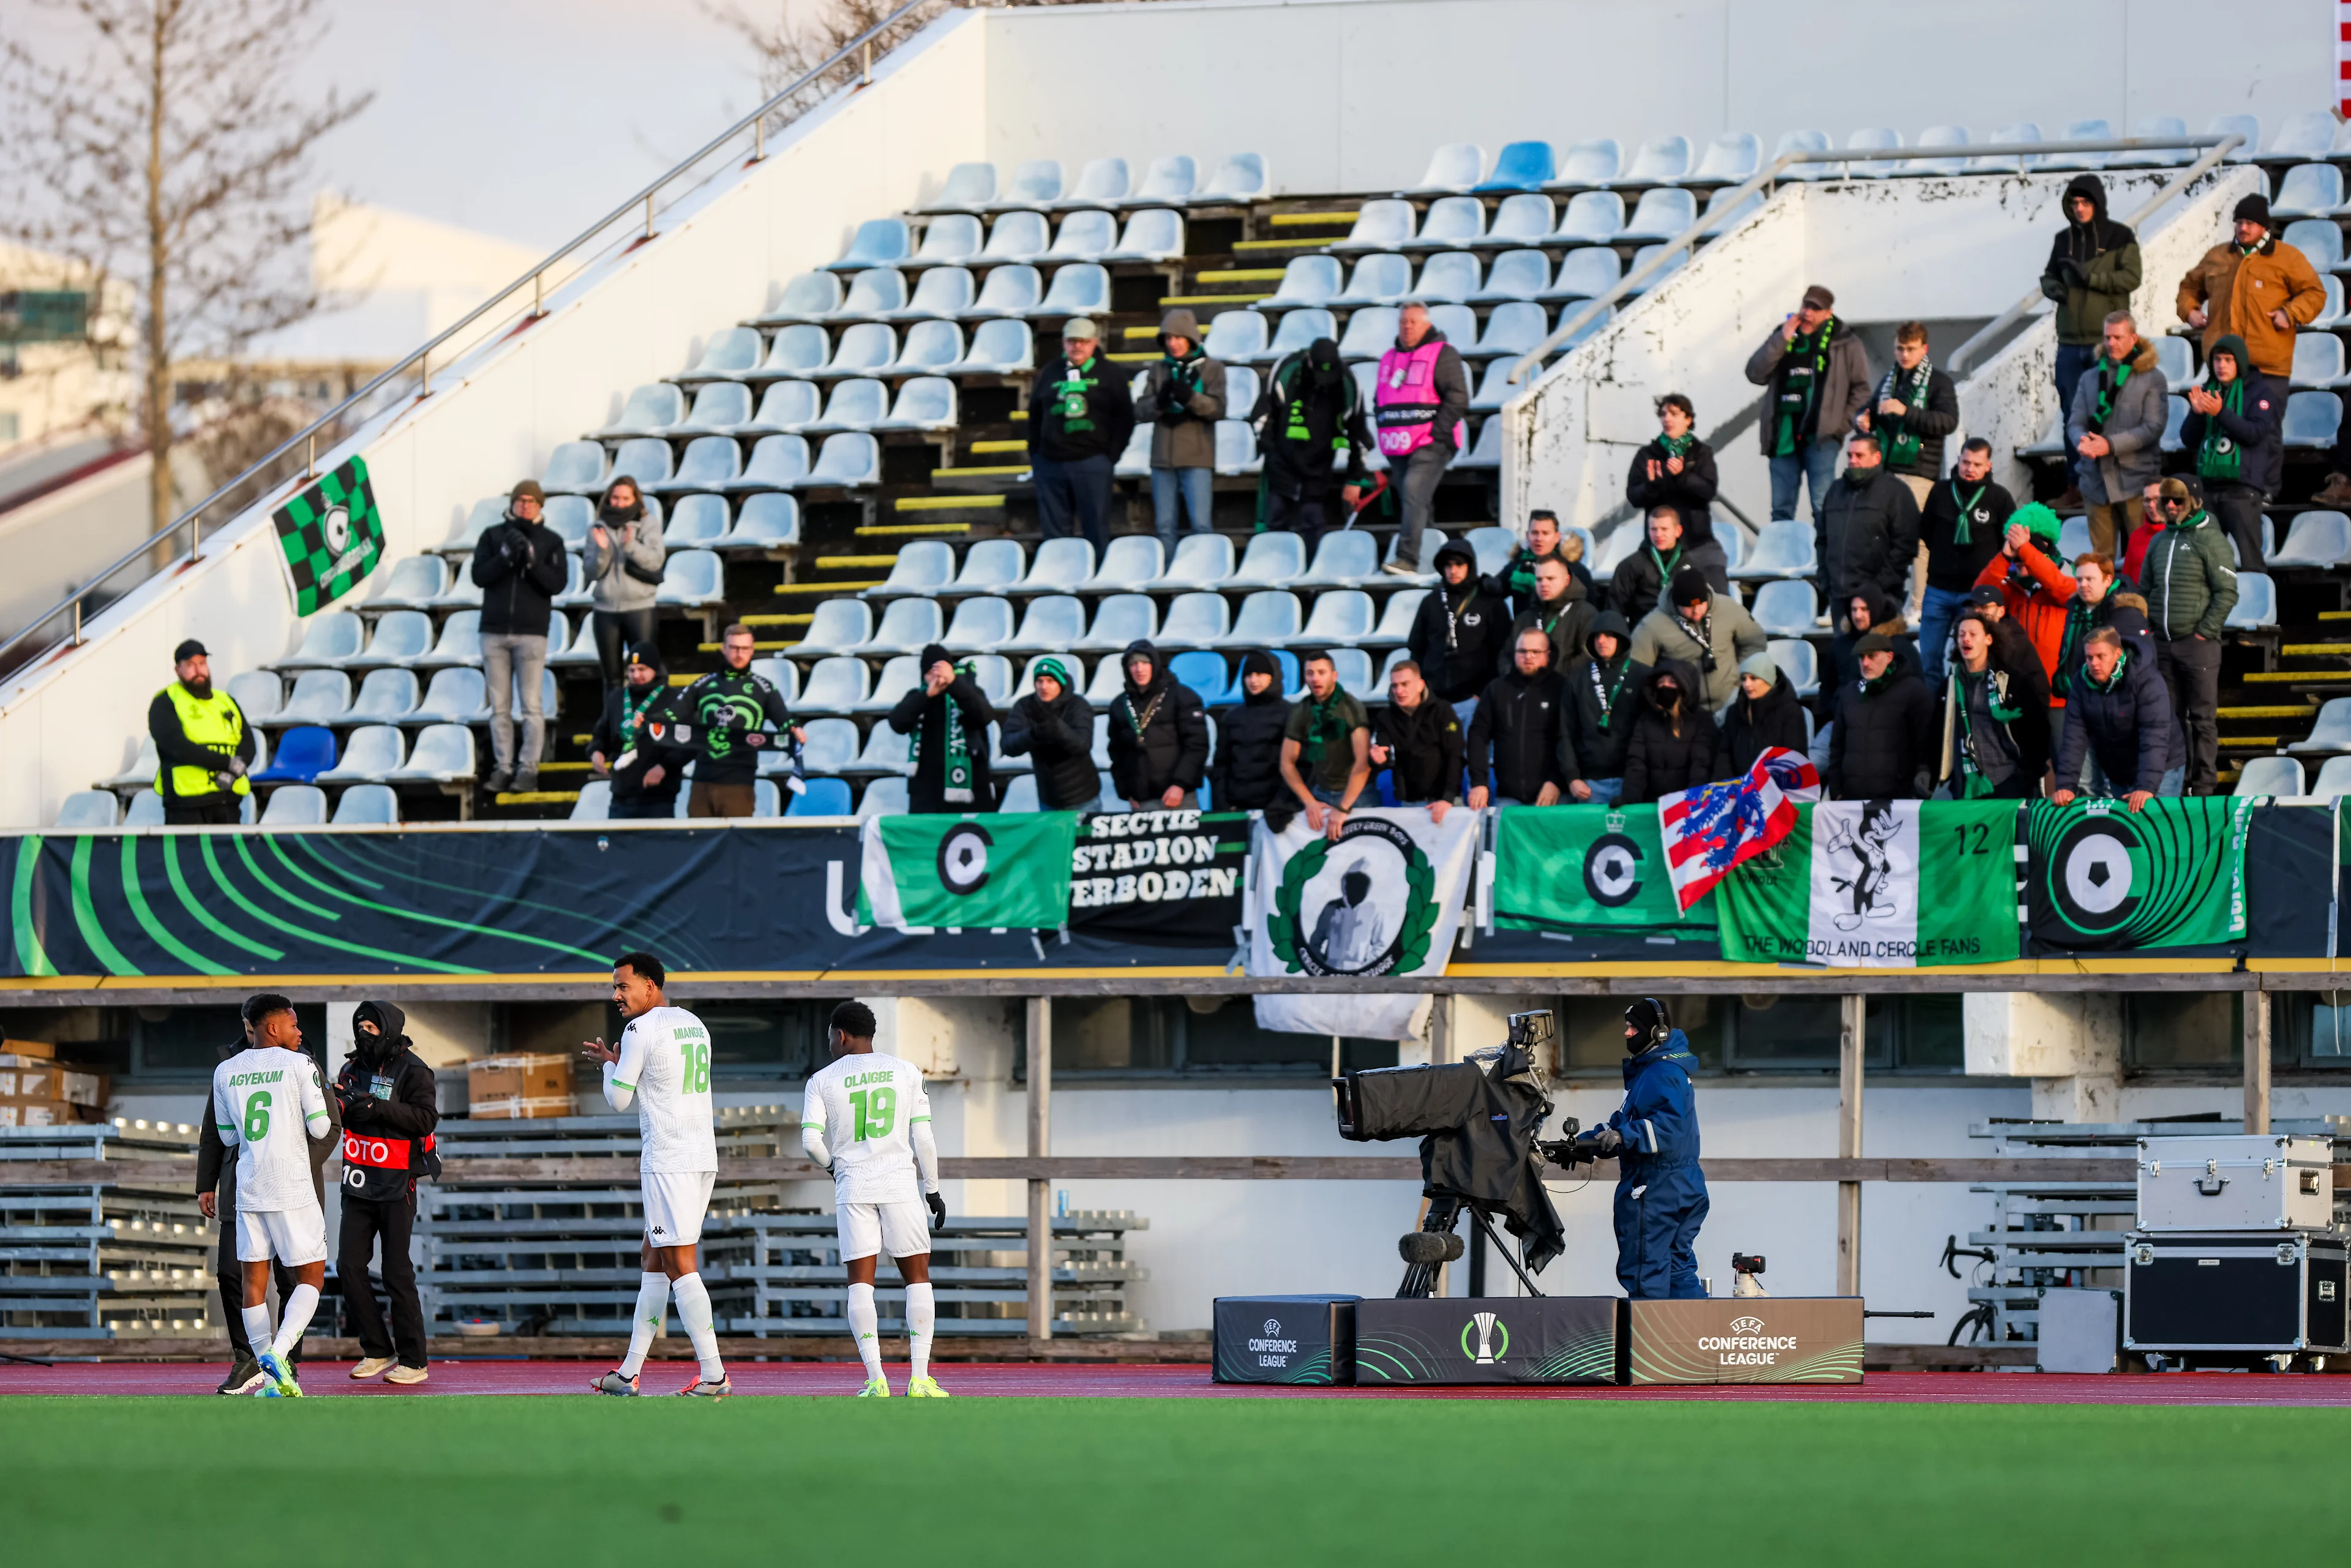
[[1660, 1192]]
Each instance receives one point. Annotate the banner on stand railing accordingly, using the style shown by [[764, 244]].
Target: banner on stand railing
[[2171, 874], [1559, 868]]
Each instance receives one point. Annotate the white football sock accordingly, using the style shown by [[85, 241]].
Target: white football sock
[[865, 1326], [652, 1319], [922, 1315], [257, 1328], [693, 1311], [297, 1317]]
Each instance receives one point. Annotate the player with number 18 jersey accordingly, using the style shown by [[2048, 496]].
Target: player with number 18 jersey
[[665, 1065]]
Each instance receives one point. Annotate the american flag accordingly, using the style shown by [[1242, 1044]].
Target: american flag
[[1712, 829]]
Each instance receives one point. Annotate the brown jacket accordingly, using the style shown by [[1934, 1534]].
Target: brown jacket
[[2240, 294]]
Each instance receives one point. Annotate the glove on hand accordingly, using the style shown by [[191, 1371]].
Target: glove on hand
[[938, 1210]]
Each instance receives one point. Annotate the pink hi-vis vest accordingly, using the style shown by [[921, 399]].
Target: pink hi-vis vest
[[1405, 402]]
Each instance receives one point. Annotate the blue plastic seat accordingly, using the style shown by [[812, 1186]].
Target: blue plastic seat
[[778, 463], [711, 462], [1455, 167], [1511, 330], [1675, 261], [1201, 560], [1236, 448], [882, 797], [979, 625], [1059, 567], [2022, 131], [1306, 281], [1017, 236], [1235, 336], [1396, 617], [2312, 419], [1156, 233], [1387, 225], [787, 408], [1521, 274], [1035, 183], [930, 348], [800, 350], [809, 297], [2319, 240], [1204, 671], [1874, 139], [1786, 608], [1082, 290], [2081, 131], [574, 467], [2308, 191], [2318, 539], [942, 293], [1009, 291], [85, 811], [458, 695], [2256, 609], [1170, 179], [838, 685], [1664, 213], [858, 403], [1195, 621], [997, 347], [1132, 563], [1345, 558], [1238, 177], [831, 745], [879, 242], [769, 521], [1341, 617], [1451, 276], [873, 294], [1659, 161], [864, 350], [1485, 448], [968, 185], [1730, 159], [443, 754], [819, 798], [2332, 732], [726, 356], [1585, 273], [1371, 332], [294, 806], [2248, 126], [989, 566], [1052, 621], [2278, 775], [1453, 223], [1805, 140], [951, 239], [302, 754], [1120, 619], [1521, 166], [647, 410], [1083, 237], [1102, 183], [1269, 617], [374, 751], [900, 675], [1784, 549], [1385, 278]]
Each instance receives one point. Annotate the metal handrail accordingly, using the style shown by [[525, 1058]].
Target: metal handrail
[[1533, 359], [859, 47]]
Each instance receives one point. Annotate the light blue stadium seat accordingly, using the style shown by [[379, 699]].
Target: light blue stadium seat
[[1521, 166], [146, 810], [1020, 795], [1452, 222], [693, 578], [1730, 159], [979, 625], [571, 516], [1786, 608], [1784, 549], [900, 675], [1431, 541], [1238, 177], [2331, 733], [831, 745], [795, 350], [1525, 219], [1132, 562], [989, 566], [1353, 668], [711, 462], [698, 522], [443, 754], [1513, 329], [1272, 560], [1485, 448], [258, 693], [481, 518], [951, 239], [781, 673], [769, 521], [884, 797], [944, 293], [458, 695], [2316, 540], [574, 467], [2176, 358], [1035, 183], [2317, 359], [727, 356], [1306, 281], [2312, 419], [2256, 606], [2248, 126], [873, 294], [367, 806], [1589, 164], [1379, 225], [391, 696], [1201, 560], [886, 751], [1204, 672], [2163, 126], [400, 637], [809, 297], [907, 626], [879, 242], [2175, 418], [1235, 335], [1156, 233], [835, 685], [2331, 313], [864, 350], [2308, 191], [1051, 621], [1800, 662], [1875, 139], [1102, 183], [1371, 332], [2334, 780], [1803, 142], [412, 583], [819, 798], [645, 458], [1059, 566], [1382, 278], [968, 185], [1340, 617], [1135, 462], [1449, 277], [1346, 557], [777, 462], [1236, 448], [2319, 240], [1456, 166], [857, 404], [1270, 618], [1078, 290], [1195, 621], [1396, 617], [1009, 291], [1015, 237], [1585, 273], [88, 811], [1517, 275], [320, 696], [370, 755], [1663, 213], [2307, 134], [1494, 388], [1102, 688], [1659, 161], [997, 347], [1642, 257], [1083, 237], [1953, 136], [648, 409], [294, 806], [2280, 776], [1295, 334], [1169, 179], [849, 462], [2081, 131]]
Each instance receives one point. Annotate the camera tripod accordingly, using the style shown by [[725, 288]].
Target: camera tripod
[[1435, 1244]]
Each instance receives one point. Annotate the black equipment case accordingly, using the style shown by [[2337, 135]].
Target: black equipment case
[[2238, 1293]]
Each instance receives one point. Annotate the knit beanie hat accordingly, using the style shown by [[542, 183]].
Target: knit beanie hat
[[2254, 209], [1689, 587], [1763, 667]]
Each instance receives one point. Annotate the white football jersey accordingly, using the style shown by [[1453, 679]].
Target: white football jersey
[[865, 1105], [665, 1060], [268, 1103]]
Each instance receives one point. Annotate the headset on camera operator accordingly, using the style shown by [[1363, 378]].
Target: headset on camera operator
[[1660, 1192]]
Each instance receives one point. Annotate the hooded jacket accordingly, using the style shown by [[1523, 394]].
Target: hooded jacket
[[2134, 427], [389, 1107], [1689, 493], [1566, 621], [626, 572], [1603, 697], [1515, 732], [1751, 726], [2189, 581], [1459, 635], [1425, 746], [924, 718], [1158, 732], [1731, 635], [519, 568], [2038, 593], [1951, 566], [2255, 429], [2127, 723], [1845, 383], [629, 751], [2237, 289], [1868, 533], [1883, 736], [2093, 267], [1182, 399], [1246, 773], [1842, 666], [1671, 754], [1077, 412], [1059, 736], [1308, 412]]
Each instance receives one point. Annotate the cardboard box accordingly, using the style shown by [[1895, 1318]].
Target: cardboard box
[[32, 1048], [519, 1108], [74, 1085], [46, 1114], [518, 1077]]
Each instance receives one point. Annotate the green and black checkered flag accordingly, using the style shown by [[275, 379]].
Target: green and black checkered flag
[[332, 537]]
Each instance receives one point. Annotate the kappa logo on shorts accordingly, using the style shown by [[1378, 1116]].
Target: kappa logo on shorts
[[659, 1231]]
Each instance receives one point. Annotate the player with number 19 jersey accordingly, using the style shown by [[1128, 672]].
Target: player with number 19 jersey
[[664, 1067], [865, 1106]]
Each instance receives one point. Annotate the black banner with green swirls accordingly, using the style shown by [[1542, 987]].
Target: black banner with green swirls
[[2171, 874]]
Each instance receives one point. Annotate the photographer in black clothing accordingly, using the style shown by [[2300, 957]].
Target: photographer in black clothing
[[386, 1098]]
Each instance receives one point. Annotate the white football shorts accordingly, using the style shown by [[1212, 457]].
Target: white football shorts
[[292, 1236], [676, 1202], [900, 1229]]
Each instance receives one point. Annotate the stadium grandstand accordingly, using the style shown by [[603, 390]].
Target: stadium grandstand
[[815, 350]]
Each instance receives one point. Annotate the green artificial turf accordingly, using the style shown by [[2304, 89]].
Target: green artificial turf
[[1045, 1482]]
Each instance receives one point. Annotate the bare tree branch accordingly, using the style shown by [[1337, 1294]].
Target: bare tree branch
[[174, 154]]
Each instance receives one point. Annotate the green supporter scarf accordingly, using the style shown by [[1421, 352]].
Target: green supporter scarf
[[2081, 620], [1666, 569], [1802, 370], [1324, 724], [1900, 443], [1073, 396], [1962, 531], [1608, 694], [2219, 457], [956, 777], [1677, 445], [1973, 784], [633, 709], [2111, 380]]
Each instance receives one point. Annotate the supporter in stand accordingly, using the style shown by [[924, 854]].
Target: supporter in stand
[[1307, 413], [1677, 470], [1883, 728], [1461, 634], [1514, 737], [1516, 582], [1914, 408], [1960, 524], [2253, 287], [203, 748], [1158, 736], [1763, 715], [1245, 774], [1420, 401], [622, 559], [2094, 268], [2034, 588], [2191, 589], [734, 714], [1603, 698], [2091, 607], [2115, 428], [1080, 414], [1560, 610], [1326, 747], [1868, 528], [1871, 609], [1418, 738], [645, 773], [2148, 524], [946, 720], [2013, 652], [1818, 378], [519, 567], [1676, 745], [1995, 736], [2122, 715], [1641, 577], [1054, 724], [1183, 397], [1710, 633], [2235, 428]]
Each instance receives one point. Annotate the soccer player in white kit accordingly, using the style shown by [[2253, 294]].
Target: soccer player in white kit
[[270, 1099], [867, 1119], [663, 1066]]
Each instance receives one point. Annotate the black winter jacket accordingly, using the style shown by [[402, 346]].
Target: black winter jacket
[[1103, 401], [1246, 773], [1457, 638], [1567, 622], [1867, 534], [924, 716], [1689, 493], [1424, 749], [1843, 667], [1169, 747], [1752, 727], [1642, 579], [2258, 432], [519, 568], [1936, 419], [641, 748], [386, 1091], [1603, 698], [1060, 738], [2129, 726], [1515, 732], [1303, 466], [1884, 736], [1951, 566], [1665, 755]]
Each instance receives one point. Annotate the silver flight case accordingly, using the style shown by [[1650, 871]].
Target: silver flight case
[[2242, 1182]]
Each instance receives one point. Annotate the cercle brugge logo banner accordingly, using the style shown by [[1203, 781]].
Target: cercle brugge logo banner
[[330, 537], [2170, 875], [1493, 1338], [1355, 932], [1612, 865]]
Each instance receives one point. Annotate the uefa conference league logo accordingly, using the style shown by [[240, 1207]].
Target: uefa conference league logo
[[1487, 1326]]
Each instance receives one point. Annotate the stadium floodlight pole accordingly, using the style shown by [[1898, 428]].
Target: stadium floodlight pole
[[421, 359], [1851, 1014], [1041, 1148]]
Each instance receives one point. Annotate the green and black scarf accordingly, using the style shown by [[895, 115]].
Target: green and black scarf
[[2112, 377], [957, 776], [2219, 456], [1802, 369], [1896, 439]]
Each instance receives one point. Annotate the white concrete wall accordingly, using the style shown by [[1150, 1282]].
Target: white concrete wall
[[495, 415], [1320, 86]]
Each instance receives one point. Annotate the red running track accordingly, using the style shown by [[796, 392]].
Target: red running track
[[1036, 1380]]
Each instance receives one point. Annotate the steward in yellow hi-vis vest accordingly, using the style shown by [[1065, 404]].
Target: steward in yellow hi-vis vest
[[202, 745]]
